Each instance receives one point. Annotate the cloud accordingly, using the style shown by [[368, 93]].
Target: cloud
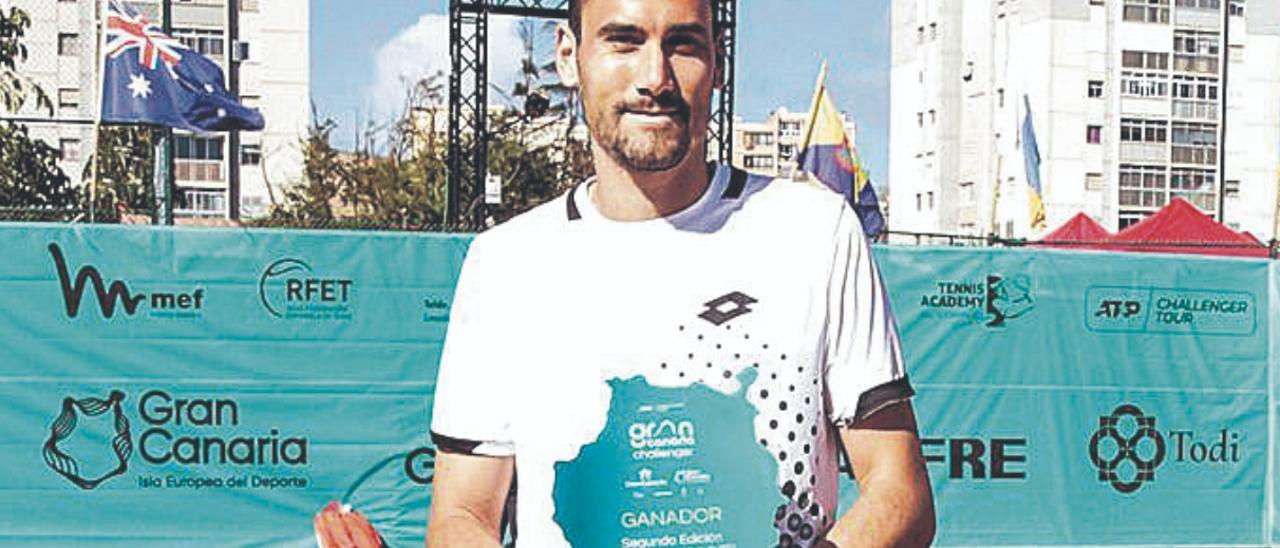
[[423, 49]]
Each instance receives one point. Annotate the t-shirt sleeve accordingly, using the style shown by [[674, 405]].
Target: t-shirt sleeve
[[469, 415], [864, 368]]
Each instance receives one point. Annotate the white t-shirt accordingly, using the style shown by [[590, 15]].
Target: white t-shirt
[[675, 381]]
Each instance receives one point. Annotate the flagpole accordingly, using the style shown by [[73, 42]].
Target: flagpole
[[100, 59], [813, 108]]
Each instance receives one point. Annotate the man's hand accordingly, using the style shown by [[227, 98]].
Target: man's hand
[[338, 526], [895, 504], [467, 498]]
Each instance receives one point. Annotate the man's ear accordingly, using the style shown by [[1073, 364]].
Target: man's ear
[[566, 55]]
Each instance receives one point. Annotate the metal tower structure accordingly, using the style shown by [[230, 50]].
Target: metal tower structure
[[469, 84]]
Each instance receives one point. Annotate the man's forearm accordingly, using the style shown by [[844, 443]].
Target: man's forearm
[[887, 515], [461, 530]]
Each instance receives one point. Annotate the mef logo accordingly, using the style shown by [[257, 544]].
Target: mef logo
[[117, 293], [121, 444], [288, 288]]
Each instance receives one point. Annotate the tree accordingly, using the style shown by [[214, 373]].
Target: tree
[[29, 172], [126, 169]]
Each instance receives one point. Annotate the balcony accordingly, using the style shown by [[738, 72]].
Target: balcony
[[1203, 156], [199, 171], [1195, 110], [1143, 153], [203, 203]]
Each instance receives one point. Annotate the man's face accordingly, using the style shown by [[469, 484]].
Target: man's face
[[646, 70]]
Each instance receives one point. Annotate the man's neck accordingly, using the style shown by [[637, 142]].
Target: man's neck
[[624, 195]]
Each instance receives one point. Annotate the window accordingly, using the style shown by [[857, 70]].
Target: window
[[1231, 188], [920, 119], [1151, 60], [249, 6], [759, 139], [933, 31], [933, 117], [191, 147], [787, 151], [918, 202], [205, 201], [1094, 181], [920, 35], [1195, 143], [1143, 186], [1144, 84], [68, 44], [251, 155], [1093, 135], [1196, 51], [1146, 11], [1236, 8], [1200, 4], [207, 42], [1196, 185], [757, 162], [69, 98], [1137, 130], [1130, 218], [931, 199], [69, 149], [1095, 89], [1097, 2], [1195, 87], [789, 129]]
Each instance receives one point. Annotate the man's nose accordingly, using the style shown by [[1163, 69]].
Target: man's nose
[[655, 77]]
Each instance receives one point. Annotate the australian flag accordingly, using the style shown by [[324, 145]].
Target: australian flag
[[150, 78]]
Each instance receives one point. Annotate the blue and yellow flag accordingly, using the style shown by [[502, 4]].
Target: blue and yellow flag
[[828, 155], [1031, 157]]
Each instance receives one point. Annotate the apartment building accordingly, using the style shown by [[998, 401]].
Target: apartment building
[[263, 47], [770, 146], [1133, 102]]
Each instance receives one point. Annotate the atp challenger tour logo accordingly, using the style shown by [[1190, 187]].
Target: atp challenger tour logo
[[992, 301], [188, 436], [289, 288], [1127, 448], [118, 294]]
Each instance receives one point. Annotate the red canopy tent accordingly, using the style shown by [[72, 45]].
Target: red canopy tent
[[1185, 229], [1080, 231]]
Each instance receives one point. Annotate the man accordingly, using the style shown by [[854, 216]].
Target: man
[[672, 353]]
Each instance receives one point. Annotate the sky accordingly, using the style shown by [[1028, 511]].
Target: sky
[[362, 56]]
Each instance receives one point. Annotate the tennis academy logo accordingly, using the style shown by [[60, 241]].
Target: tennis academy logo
[[117, 296], [992, 301], [289, 288]]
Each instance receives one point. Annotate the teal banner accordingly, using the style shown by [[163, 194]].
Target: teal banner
[[219, 387], [216, 387]]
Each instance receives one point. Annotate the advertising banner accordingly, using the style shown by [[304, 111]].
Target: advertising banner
[[220, 387], [216, 387]]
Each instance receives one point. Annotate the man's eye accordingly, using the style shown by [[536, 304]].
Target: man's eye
[[624, 40], [685, 44]]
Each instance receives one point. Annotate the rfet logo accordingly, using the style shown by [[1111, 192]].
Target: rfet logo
[[1128, 448], [118, 294], [289, 288], [121, 444]]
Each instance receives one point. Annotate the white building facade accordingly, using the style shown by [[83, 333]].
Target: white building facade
[[267, 39], [1127, 100], [770, 146]]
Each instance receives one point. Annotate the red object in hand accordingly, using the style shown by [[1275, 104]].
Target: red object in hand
[[338, 526]]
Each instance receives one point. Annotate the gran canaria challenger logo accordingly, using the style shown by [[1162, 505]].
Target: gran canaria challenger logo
[[62, 428]]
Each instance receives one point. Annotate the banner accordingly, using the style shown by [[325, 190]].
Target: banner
[[220, 387], [216, 387]]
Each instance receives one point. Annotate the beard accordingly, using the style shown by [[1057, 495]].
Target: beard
[[649, 148]]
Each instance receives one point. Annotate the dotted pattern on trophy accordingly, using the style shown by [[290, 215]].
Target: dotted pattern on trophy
[[787, 394]]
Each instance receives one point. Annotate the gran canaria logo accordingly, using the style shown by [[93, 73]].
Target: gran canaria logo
[[121, 444]]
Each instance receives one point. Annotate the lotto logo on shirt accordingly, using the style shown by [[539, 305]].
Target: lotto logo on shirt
[[662, 439]]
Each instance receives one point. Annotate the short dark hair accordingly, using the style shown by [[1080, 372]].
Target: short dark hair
[[575, 17]]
